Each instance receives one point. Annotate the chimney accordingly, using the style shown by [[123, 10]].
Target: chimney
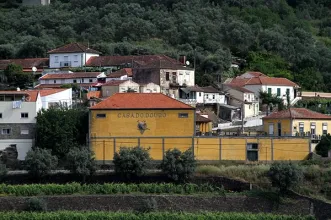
[[182, 59]]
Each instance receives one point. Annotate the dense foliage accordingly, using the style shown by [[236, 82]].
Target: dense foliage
[[36, 205], [324, 146], [17, 78], [69, 215], [60, 129], [281, 37], [179, 166], [40, 162], [107, 188], [285, 175], [131, 161], [317, 104]]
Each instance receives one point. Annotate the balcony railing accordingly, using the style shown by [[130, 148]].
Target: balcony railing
[[188, 101], [65, 64]]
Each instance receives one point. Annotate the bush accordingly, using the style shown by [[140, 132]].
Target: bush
[[179, 166], [39, 162], [148, 205], [3, 171], [36, 205], [81, 162], [284, 175], [131, 162], [324, 146]]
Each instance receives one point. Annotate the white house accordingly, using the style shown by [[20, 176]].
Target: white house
[[128, 86], [56, 98], [272, 85], [202, 95], [71, 55], [18, 111], [150, 88], [122, 74], [84, 79]]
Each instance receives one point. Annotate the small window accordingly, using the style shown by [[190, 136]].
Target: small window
[[56, 59], [82, 80], [301, 127], [252, 151], [199, 94], [101, 115], [167, 76], [183, 115], [287, 91], [0, 115], [6, 131], [278, 91], [54, 81], [75, 81], [269, 91], [325, 128], [24, 115], [76, 58], [90, 80], [213, 96], [24, 131]]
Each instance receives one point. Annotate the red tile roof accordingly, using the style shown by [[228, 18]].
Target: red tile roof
[[254, 74], [26, 63], [209, 89], [262, 80], [70, 75], [297, 113], [240, 89], [93, 94], [114, 83], [121, 72], [47, 92], [32, 95], [74, 48], [125, 60], [200, 118], [140, 101], [50, 86]]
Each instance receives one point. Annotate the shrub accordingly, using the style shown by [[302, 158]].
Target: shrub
[[81, 162], [179, 166], [39, 162], [148, 205], [208, 170], [36, 205], [284, 175], [324, 146], [3, 171], [131, 162]]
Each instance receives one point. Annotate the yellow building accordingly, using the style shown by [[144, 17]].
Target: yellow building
[[203, 124], [297, 122]]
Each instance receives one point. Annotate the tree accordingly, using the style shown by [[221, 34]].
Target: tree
[[7, 51], [131, 162], [269, 100], [60, 129], [179, 166], [284, 175], [81, 162], [39, 162], [16, 77], [324, 146]]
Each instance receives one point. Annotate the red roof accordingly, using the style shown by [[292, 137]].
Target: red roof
[[262, 80], [121, 72], [125, 60], [70, 75], [49, 86], [74, 48], [200, 118], [240, 89], [32, 95], [140, 101], [297, 113], [26, 63], [93, 94], [114, 83], [47, 92]]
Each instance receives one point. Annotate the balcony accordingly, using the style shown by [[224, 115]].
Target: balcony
[[191, 102], [65, 64]]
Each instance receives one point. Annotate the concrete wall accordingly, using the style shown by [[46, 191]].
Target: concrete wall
[[285, 126], [22, 146], [63, 97], [68, 81], [257, 88], [11, 115], [150, 88], [75, 59], [107, 91], [208, 148], [125, 86]]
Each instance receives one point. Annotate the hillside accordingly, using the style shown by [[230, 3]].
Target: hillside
[[280, 38]]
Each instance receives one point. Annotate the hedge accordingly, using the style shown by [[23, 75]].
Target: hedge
[[70, 215], [112, 188]]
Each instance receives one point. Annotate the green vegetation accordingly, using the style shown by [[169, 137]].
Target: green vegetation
[[76, 188], [36, 205], [179, 166], [282, 37], [17, 78], [324, 146], [317, 104], [131, 162], [63, 215]]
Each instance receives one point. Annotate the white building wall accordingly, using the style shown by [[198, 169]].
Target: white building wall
[[150, 88], [257, 88], [186, 77], [74, 59], [13, 115], [123, 87], [211, 98], [60, 97], [22, 146], [200, 97]]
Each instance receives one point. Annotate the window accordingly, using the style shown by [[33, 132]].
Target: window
[[312, 128], [279, 129], [325, 128], [24, 131], [183, 115], [75, 81], [82, 80], [90, 80], [301, 127], [56, 59], [213, 96], [76, 58], [54, 81], [287, 91], [6, 131], [278, 91], [66, 58], [252, 151], [0, 115], [101, 115], [174, 77], [199, 94], [269, 90], [249, 106], [167, 76], [24, 115], [271, 129]]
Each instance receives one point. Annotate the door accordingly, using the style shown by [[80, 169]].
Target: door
[[271, 129]]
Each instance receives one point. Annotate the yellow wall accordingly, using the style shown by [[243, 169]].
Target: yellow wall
[[286, 126], [124, 123], [210, 148], [306, 122], [204, 126]]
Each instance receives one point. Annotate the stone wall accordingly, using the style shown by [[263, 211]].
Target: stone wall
[[16, 129]]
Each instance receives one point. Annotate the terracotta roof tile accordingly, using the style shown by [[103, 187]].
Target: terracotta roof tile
[[70, 75], [297, 113], [47, 92], [262, 80], [121, 72], [93, 94], [26, 63], [50, 86], [200, 118], [74, 48], [32, 95], [241, 89], [254, 74], [140, 101], [114, 82]]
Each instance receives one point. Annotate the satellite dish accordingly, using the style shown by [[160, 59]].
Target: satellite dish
[[187, 63], [34, 69]]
